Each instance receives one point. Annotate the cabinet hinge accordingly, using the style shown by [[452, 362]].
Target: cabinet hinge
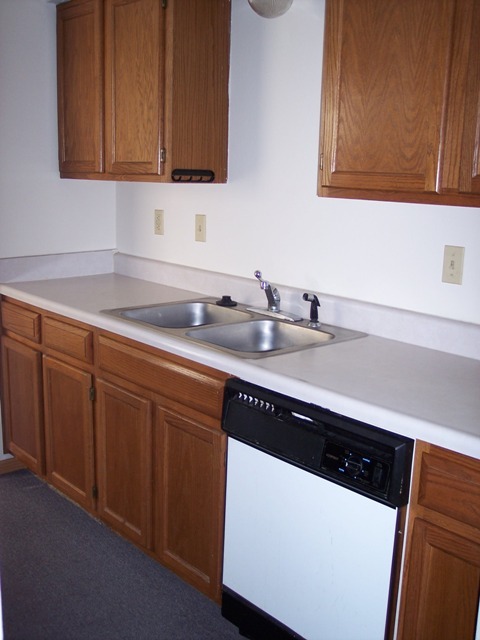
[[163, 154], [321, 162], [164, 4], [94, 492], [92, 393]]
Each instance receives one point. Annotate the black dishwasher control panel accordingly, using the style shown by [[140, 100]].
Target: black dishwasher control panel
[[361, 457], [365, 469]]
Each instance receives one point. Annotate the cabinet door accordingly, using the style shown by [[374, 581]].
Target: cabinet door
[[22, 399], [124, 470], [441, 594], [190, 485], [69, 430], [198, 41], [80, 86], [470, 151], [134, 96], [386, 68]]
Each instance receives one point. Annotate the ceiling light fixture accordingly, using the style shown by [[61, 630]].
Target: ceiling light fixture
[[270, 8]]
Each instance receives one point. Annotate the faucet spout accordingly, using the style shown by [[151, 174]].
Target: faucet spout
[[273, 296]]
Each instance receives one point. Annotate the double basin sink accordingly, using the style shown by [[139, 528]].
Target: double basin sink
[[237, 330]]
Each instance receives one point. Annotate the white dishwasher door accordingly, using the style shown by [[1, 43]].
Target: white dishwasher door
[[310, 553]]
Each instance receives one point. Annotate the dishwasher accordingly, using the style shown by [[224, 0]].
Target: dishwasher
[[315, 504]]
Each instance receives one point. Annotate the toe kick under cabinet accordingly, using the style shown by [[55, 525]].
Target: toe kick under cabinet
[[129, 432]]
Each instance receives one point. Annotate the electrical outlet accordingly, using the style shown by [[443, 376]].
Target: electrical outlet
[[200, 228], [453, 264], [159, 223]]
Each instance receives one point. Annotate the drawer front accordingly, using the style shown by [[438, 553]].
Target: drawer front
[[450, 484], [69, 339], [191, 387], [23, 322]]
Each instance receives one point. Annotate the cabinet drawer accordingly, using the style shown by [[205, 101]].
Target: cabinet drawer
[[199, 387], [450, 484], [23, 322], [69, 339]]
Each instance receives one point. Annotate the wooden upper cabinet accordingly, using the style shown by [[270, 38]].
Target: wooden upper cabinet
[[143, 89], [400, 101], [80, 86]]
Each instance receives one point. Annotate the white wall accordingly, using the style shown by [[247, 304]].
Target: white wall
[[268, 215], [40, 213]]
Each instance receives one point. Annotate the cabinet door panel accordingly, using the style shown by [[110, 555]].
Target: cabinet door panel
[[124, 469], [134, 85], [22, 384], [80, 86], [197, 79], [69, 430], [441, 595], [470, 160], [190, 497], [383, 93]]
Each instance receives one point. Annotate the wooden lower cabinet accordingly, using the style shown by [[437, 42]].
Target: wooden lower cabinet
[[69, 430], [124, 461], [441, 585], [129, 432], [190, 469], [22, 400]]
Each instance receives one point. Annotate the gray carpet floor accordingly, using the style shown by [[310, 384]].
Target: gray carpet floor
[[66, 576]]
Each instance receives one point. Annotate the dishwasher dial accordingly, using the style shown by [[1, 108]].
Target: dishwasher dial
[[353, 465]]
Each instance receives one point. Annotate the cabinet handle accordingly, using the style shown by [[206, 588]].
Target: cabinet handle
[[193, 175]]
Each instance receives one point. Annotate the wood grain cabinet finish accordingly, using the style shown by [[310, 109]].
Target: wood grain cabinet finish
[[47, 382], [124, 461], [21, 322], [401, 101], [22, 404], [441, 583], [68, 410], [143, 88], [190, 470], [80, 87], [175, 472], [131, 433]]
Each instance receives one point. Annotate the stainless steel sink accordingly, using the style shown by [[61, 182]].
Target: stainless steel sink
[[261, 336], [178, 315], [239, 330]]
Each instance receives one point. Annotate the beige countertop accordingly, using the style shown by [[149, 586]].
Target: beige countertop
[[422, 393]]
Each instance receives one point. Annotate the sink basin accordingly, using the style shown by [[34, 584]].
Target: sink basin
[[241, 330], [261, 336], [180, 315]]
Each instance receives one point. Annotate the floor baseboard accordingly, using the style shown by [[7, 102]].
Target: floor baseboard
[[9, 465]]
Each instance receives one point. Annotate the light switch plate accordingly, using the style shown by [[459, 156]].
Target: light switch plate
[[159, 224], [453, 264], [200, 228]]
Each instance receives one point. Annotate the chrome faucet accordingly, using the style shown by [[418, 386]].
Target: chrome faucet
[[273, 295]]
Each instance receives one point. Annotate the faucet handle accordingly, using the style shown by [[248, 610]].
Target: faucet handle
[[314, 304], [258, 275]]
